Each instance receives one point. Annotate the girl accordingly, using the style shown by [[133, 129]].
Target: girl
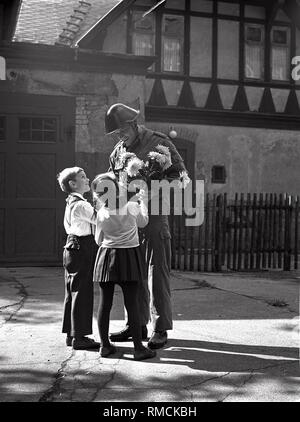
[[119, 259]]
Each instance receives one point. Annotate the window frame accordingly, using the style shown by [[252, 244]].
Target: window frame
[[266, 77], [289, 48], [181, 44], [214, 169], [157, 68], [32, 130], [140, 31], [261, 43]]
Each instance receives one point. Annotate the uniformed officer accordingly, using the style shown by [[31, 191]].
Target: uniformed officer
[[122, 120]]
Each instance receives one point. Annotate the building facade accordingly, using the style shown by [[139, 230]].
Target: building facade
[[219, 73], [223, 79]]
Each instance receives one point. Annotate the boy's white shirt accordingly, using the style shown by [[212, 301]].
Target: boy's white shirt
[[82, 216]]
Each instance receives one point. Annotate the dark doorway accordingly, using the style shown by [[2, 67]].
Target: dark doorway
[[36, 142]]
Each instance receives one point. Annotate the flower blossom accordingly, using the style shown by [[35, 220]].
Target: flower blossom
[[124, 156], [157, 156], [134, 165], [184, 179], [166, 152]]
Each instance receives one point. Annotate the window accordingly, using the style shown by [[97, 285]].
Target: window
[[255, 12], [175, 4], [280, 53], [172, 43], [143, 37], [232, 9], [200, 46], [254, 51], [202, 6], [2, 128], [228, 49], [218, 174], [37, 129]]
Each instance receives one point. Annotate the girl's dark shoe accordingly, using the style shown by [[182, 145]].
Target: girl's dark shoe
[[145, 353], [84, 343], [69, 340], [107, 350]]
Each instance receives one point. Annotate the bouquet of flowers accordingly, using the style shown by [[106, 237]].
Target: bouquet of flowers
[[130, 166]]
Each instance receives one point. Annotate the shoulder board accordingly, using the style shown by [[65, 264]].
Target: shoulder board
[[160, 134]]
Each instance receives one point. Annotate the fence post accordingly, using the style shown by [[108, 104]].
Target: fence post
[[213, 234], [207, 209], [253, 232], [296, 231], [235, 225], [240, 236], [247, 248], [275, 231], [218, 246], [280, 227], [224, 231], [287, 236]]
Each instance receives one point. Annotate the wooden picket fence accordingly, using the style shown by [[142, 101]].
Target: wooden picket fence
[[250, 232]]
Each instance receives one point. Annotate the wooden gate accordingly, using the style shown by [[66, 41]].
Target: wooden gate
[[36, 142], [251, 232]]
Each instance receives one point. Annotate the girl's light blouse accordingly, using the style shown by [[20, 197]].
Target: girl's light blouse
[[119, 228]]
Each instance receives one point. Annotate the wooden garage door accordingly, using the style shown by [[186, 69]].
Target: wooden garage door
[[36, 142]]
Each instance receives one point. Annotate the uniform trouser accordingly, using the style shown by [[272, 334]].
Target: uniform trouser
[[156, 289], [79, 288]]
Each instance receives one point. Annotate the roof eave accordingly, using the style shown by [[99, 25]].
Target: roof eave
[[49, 57]]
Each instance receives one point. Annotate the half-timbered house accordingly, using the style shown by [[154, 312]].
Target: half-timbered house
[[219, 73]]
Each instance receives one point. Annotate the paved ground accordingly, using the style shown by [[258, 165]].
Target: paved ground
[[235, 338]]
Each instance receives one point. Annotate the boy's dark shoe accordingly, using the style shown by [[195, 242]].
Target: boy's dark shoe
[[158, 339], [69, 340], [84, 343], [144, 353], [107, 350], [125, 334]]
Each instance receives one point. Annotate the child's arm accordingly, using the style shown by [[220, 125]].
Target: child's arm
[[102, 215], [140, 211], [83, 210]]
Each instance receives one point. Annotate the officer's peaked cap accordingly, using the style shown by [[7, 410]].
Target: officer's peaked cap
[[117, 115]]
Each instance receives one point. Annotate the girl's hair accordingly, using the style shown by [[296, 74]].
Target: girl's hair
[[97, 193], [101, 177], [65, 176]]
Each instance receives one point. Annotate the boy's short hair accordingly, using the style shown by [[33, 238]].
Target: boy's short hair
[[65, 176]]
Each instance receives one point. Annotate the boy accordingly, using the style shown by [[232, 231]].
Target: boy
[[78, 259]]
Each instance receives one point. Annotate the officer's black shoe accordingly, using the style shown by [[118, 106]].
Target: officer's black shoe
[[125, 334], [158, 339]]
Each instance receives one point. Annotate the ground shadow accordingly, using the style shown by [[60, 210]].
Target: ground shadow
[[219, 357]]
